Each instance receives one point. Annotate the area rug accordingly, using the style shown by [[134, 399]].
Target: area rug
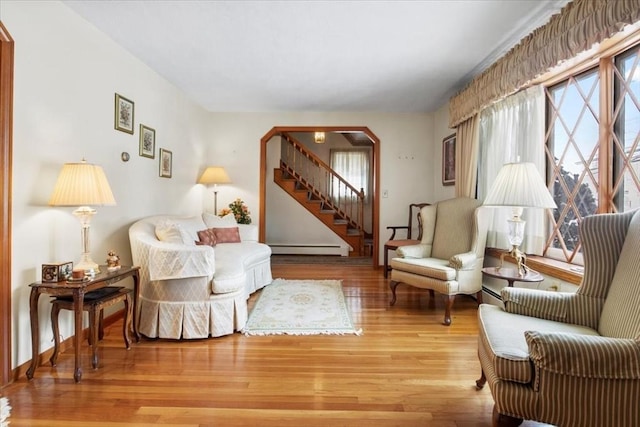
[[301, 307], [5, 410]]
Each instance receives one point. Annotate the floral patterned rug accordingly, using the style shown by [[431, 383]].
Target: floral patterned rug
[[5, 409], [301, 307]]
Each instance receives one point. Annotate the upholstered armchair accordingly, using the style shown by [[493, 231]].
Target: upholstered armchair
[[571, 359], [449, 258]]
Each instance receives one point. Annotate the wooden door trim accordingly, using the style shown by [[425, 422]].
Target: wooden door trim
[[376, 174], [6, 131]]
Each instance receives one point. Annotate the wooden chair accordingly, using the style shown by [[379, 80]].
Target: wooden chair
[[392, 244]]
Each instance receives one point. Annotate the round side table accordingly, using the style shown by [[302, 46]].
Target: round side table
[[511, 275]]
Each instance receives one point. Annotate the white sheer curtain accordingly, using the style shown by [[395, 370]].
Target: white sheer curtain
[[353, 166], [512, 130]]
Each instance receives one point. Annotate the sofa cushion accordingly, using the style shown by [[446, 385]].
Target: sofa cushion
[[502, 336], [429, 267], [227, 235], [180, 230], [169, 232], [190, 227], [215, 221], [207, 237]]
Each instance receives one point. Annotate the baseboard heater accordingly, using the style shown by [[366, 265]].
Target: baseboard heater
[[308, 249]]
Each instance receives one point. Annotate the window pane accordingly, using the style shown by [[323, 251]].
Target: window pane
[[572, 150], [626, 132]]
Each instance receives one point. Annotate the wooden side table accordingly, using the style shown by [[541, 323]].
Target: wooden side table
[[77, 290], [511, 275]]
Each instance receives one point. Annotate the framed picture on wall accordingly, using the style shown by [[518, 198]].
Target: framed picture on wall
[[123, 116], [147, 142], [449, 160], [166, 159]]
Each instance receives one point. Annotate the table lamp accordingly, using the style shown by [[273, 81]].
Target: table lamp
[[214, 175], [83, 184], [519, 185]]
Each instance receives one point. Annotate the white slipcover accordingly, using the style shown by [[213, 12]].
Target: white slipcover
[[193, 291]]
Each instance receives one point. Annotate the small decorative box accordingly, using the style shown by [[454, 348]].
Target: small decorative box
[[57, 272]]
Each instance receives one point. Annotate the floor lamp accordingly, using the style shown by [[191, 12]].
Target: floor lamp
[[519, 185], [83, 184], [214, 175]]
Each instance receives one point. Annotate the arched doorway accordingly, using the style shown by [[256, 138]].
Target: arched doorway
[[375, 167], [6, 121]]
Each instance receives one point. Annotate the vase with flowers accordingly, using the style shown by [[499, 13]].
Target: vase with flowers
[[239, 211]]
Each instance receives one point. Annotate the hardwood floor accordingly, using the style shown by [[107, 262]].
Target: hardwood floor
[[407, 369]]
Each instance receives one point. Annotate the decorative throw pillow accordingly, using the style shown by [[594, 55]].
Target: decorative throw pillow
[[214, 221], [227, 235], [167, 231], [189, 228], [207, 237]]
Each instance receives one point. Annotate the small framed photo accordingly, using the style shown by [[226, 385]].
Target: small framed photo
[[124, 110], [57, 272], [449, 160], [166, 159], [147, 142]]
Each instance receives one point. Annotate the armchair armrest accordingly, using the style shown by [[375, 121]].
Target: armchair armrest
[[414, 251], [537, 303], [587, 356], [395, 228], [465, 261], [175, 261]]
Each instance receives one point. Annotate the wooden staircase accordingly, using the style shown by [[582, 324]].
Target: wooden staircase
[[307, 197]]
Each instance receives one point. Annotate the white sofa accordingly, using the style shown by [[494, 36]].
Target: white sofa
[[190, 290]]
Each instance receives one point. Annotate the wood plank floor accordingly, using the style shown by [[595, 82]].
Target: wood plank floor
[[407, 369]]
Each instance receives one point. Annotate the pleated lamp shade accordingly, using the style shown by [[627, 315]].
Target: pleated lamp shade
[[82, 184], [519, 185], [214, 175]]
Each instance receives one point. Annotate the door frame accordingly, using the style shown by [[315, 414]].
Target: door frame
[[6, 134], [376, 174]]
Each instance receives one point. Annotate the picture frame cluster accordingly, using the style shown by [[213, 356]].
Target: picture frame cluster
[[124, 121]]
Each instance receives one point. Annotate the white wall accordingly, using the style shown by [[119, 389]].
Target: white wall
[[406, 153], [441, 131], [66, 74]]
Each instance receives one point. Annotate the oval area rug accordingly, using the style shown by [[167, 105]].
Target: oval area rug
[[301, 307]]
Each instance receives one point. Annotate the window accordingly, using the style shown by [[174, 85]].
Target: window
[[353, 166], [592, 147]]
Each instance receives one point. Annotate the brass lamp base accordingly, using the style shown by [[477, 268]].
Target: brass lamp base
[[520, 258]]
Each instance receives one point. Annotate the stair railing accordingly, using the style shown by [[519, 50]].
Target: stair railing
[[323, 182]]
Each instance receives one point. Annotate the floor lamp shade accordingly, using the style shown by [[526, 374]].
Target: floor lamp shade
[[519, 185], [83, 184], [214, 175]]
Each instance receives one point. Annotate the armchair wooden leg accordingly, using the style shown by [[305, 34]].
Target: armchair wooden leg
[[481, 381], [501, 420], [448, 304], [393, 285], [479, 296]]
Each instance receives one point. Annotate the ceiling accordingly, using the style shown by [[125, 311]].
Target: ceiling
[[323, 55]]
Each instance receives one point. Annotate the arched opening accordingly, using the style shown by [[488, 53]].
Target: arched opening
[[375, 168], [6, 121]]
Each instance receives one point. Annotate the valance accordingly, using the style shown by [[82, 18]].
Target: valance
[[579, 25]]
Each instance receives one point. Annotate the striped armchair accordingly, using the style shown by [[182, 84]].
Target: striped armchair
[[571, 359]]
